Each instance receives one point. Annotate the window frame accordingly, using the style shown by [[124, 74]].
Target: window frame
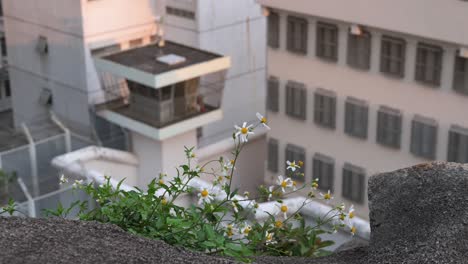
[[391, 115], [356, 109], [325, 108], [351, 174], [422, 66], [322, 44], [460, 74], [418, 146], [273, 26], [323, 160], [298, 154], [390, 58], [296, 91], [273, 166], [273, 84], [456, 145], [297, 34], [355, 50]]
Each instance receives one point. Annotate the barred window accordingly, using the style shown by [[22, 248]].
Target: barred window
[[3, 46], [359, 50], [297, 35], [392, 56], [325, 108], [460, 78], [273, 94], [354, 186], [324, 170], [423, 137], [458, 145], [389, 127], [273, 30], [296, 100], [356, 117], [295, 153], [428, 64], [174, 11], [273, 155], [327, 41]]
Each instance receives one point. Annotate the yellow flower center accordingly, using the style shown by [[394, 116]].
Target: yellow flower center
[[342, 217], [353, 230], [204, 193], [161, 182], [232, 162], [247, 230], [327, 196], [269, 237], [284, 184], [294, 183], [293, 164], [263, 120], [314, 185], [193, 155], [164, 201], [220, 178], [244, 130], [351, 214], [230, 233], [300, 163], [284, 208], [278, 224]]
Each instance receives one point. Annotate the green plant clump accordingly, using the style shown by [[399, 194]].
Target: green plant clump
[[222, 222]]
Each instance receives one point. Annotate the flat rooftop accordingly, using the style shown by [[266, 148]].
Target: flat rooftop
[[9, 138], [145, 58]]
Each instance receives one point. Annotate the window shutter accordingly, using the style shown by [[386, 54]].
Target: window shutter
[[361, 189], [415, 137], [290, 35], [273, 155], [346, 187], [397, 134], [317, 108], [304, 28], [273, 94], [289, 99], [303, 100], [349, 117], [332, 112], [452, 147], [273, 30]]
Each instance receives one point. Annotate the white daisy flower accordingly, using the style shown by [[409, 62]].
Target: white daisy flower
[[230, 231], [327, 196], [77, 183], [269, 238], [353, 230], [292, 165], [263, 120], [282, 209], [63, 179], [243, 132], [284, 183], [172, 212], [204, 197], [351, 212], [246, 230], [270, 192]]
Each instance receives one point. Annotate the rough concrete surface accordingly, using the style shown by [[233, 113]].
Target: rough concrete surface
[[420, 214]]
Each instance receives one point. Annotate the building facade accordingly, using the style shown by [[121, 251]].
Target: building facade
[[361, 87]]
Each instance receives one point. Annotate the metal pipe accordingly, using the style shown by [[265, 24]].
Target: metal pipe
[[32, 155]]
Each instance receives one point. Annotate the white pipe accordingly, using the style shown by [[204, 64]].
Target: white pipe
[[32, 154], [31, 203], [55, 119]]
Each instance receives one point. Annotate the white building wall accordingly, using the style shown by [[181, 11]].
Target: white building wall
[[442, 104], [236, 29]]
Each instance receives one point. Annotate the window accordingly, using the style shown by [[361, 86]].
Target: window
[[325, 108], [389, 127], [327, 41], [273, 94], [353, 183], [392, 56], [460, 78], [356, 117], [423, 137], [297, 35], [295, 153], [6, 84], [3, 46], [324, 171], [272, 155], [187, 14], [428, 64], [458, 145], [273, 30], [359, 50], [296, 100]]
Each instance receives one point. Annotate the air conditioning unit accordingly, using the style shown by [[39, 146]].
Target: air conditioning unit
[[463, 52], [355, 30], [42, 47]]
